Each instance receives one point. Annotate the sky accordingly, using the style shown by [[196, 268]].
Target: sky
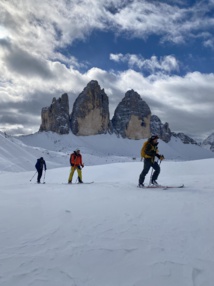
[[109, 232], [161, 49]]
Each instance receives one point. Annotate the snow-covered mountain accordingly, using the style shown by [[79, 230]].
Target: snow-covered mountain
[[108, 148], [208, 143], [15, 156], [96, 150]]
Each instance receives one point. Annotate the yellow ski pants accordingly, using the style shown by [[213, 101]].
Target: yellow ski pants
[[73, 169]]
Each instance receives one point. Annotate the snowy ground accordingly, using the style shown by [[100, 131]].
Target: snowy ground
[[109, 233]]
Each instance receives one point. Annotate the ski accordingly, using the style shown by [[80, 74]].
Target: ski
[[165, 187], [162, 187], [84, 183]]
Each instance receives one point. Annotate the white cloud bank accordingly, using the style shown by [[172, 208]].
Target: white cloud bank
[[33, 70]]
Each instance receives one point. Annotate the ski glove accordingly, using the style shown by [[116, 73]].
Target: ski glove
[[161, 157]]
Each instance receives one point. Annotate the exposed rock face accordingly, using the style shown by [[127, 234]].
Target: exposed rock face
[[132, 117], [184, 138], [55, 118], [90, 114], [160, 129], [208, 143]]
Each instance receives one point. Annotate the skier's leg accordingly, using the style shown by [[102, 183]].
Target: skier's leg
[[156, 173], [79, 172], [147, 165], [39, 176], [71, 174]]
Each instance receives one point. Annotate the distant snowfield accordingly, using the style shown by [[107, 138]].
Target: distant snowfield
[[20, 154], [110, 145], [109, 232]]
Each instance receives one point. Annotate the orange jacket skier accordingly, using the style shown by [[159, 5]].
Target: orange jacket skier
[[76, 164]]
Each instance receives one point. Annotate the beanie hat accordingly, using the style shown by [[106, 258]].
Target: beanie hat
[[154, 137]]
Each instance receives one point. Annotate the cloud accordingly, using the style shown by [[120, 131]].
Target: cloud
[[166, 64], [184, 102], [44, 27], [23, 63], [174, 23], [34, 68], [209, 43]]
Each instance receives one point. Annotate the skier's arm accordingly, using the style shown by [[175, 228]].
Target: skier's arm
[[150, 151], [81, 163]]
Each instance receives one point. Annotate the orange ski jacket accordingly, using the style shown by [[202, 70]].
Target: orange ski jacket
[[76, 160]]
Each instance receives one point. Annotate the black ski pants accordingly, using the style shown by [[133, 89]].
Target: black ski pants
[[39, 175], [147, 165]]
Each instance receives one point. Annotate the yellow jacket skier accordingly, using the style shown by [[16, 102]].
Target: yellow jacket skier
[[149, 151]]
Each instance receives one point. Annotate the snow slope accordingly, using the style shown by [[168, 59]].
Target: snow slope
[[102, 149], [96, 150], [109, 232], [16, 156]]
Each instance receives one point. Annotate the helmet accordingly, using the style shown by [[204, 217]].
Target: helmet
[[77, 150], [154, 137]]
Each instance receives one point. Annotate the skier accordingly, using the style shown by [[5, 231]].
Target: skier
[[149, 151], [39, 167], [76, 164]]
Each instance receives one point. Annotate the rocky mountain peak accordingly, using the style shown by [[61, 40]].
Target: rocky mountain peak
[[208, 143], [184, 138], [90, 114], [160, 129], [55, 118], [132, 117]]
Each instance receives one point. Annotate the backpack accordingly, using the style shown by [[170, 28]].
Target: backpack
[[70, 159], [75, 157], [143, 154], [39, 165]]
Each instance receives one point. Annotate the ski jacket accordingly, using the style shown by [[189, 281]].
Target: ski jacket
[[39, 164], [149, 150], [76, 160]]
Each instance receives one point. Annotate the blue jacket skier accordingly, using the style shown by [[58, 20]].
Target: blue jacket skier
[[40, 164]]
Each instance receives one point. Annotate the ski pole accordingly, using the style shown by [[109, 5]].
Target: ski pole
[[44, 177], [150, 181], [77, 174], [33, 177]]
